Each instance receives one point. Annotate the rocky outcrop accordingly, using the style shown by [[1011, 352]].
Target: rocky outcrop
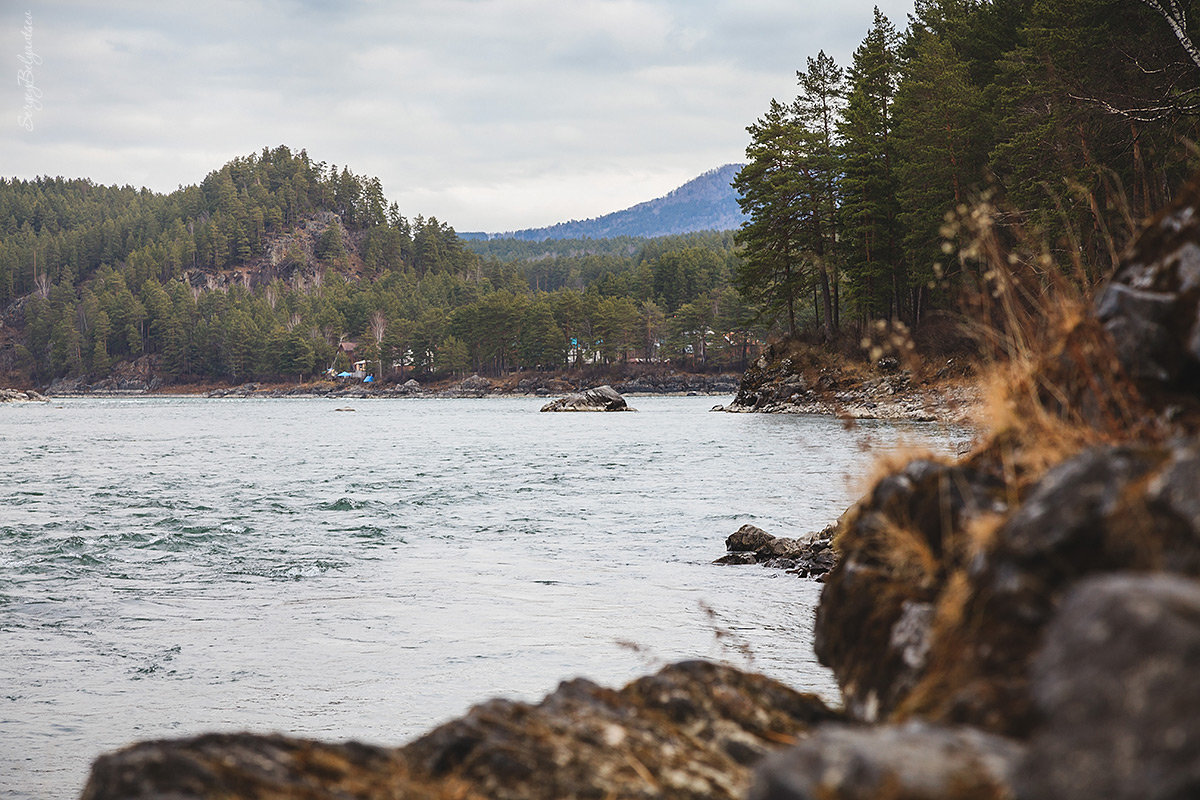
[[812, 557], [935, 612], [473, 386], [694, 730], [127, 377], [601, 398], [789, 379], [1151, 308]]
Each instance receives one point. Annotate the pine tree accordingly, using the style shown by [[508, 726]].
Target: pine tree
[[870, 212], [773, 240], [818, 109], [941, 151]]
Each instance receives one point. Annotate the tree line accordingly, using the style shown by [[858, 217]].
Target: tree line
[[273, 264], [1076, 115]]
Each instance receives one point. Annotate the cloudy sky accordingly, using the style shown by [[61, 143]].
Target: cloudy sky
[[488, 114]]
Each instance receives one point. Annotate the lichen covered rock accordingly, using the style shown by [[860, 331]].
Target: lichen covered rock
[[915, 761], [694, 730], [1115, 686]]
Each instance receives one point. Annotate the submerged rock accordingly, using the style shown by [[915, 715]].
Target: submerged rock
[[694, 730], [601, 398]]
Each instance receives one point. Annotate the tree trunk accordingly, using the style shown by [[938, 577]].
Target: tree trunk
[[827, 302]]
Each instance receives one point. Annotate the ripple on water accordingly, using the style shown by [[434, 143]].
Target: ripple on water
[[206, 566]]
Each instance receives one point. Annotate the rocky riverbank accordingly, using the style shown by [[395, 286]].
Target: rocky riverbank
[[140, 378], [1021, 623], [789, 378]]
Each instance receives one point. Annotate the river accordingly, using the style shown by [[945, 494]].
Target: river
[[171, 566]]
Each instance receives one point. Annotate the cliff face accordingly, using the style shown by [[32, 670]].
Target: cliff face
[[1024, 623]]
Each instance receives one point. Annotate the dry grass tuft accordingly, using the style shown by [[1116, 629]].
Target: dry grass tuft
[[1052, 385], [910, 556]]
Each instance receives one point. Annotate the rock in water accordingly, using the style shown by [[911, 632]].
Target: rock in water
[[812, 557], [1116, 685], [747, 538], [20, 396], [601, 398]]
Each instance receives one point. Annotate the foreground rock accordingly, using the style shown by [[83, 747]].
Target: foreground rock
[[694, 730], [601, 398], [915, 761], [809, 558], [241, 765], [1115, 684]]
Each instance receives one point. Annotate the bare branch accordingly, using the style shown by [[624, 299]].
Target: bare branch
[[1145, 114], [1176, 17]]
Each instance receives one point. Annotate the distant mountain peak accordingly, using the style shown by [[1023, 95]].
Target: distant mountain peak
[[705, 203]]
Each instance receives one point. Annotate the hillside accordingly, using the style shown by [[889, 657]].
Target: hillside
[[706, 203], [275, 267]]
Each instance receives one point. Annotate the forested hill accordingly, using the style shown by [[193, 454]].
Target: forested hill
[[278, 267], [706, 203]]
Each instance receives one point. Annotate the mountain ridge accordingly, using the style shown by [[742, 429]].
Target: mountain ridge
[[707, 202]]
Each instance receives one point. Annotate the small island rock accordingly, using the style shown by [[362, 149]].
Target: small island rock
[[601, 398]]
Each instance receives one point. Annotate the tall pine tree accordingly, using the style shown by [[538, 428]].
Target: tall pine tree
[[874, 266]]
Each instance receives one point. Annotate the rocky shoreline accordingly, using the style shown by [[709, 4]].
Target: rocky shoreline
[[781, 382], [143, 382]]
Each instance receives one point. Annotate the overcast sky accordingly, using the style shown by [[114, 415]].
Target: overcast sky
[[488, 114]]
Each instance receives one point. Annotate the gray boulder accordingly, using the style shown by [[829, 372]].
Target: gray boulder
[[912, 761], [601, 398], [475, 386], [1116, 687], [20, 396]]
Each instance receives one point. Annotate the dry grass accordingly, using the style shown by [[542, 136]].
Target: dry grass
[[1052, 384], [910, 556]]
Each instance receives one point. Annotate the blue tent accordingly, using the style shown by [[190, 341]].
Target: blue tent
[[369, 379], [344, 374]]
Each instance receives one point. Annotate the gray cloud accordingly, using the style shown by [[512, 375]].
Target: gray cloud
[[490, 114]]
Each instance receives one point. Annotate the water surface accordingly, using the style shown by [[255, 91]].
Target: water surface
[[171, 566]]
